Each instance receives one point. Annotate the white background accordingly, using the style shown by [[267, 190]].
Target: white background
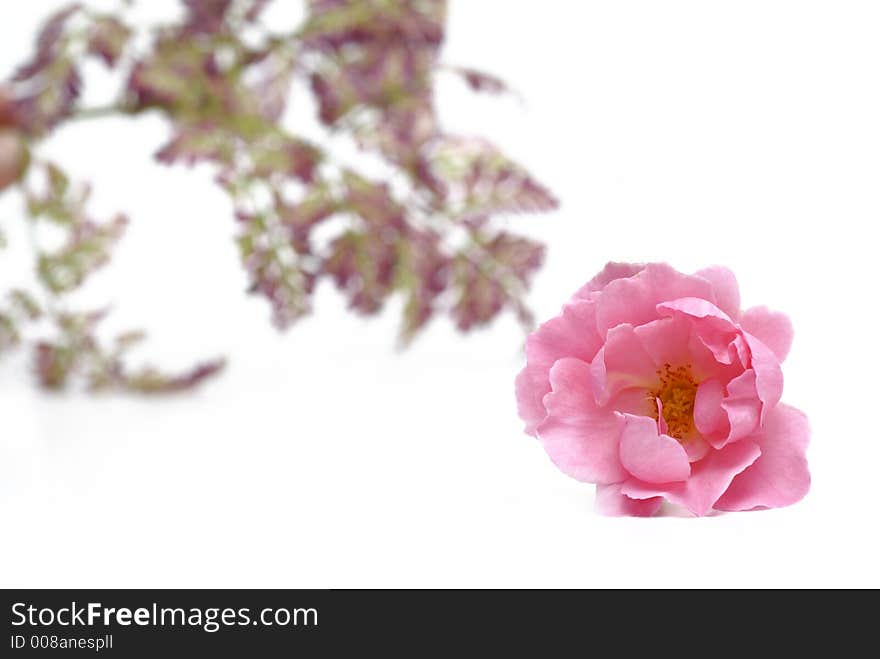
[[701, 132]]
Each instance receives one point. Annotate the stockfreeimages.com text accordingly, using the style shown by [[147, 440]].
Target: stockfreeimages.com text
[[210, 619]]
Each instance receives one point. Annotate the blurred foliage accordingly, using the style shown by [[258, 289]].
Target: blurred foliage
[[429, 231]]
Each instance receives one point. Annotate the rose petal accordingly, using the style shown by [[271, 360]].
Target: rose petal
[[609, 273], [725, 286], [742, 406], [780, 477], [662, 426], [650, 456], [708, 481], [581, 439], [768, 374], [696, 448], [697, 308], [621, 363], [634, 300], [704, 365], [666, 340], [739, 349], [715, 329], [609, 501], [772, 328], [709, 417], [633, 401], [571, 334]]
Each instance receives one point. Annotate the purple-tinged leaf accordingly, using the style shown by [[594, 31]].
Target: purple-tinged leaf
[[480, 295], [485, 181], [300, 218], [373, 203], [206, 16], [86, 250], [14, 157], [363, 266], [48, 44], [479, 81], [424, 276], [77, 352], [108, 37], [193, 143]]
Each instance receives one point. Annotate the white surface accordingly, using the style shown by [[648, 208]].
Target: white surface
[[745, 134]]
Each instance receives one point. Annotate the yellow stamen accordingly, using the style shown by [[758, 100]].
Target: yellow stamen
[[676, 391]]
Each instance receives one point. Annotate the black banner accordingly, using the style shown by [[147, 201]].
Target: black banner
[[263, 623]]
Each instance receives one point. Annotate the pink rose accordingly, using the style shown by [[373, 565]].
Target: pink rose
[[654, 385]]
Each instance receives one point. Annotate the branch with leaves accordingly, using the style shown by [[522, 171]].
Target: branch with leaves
[[430, 231]]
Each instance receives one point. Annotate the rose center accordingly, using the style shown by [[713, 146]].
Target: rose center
[[676, 391]]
